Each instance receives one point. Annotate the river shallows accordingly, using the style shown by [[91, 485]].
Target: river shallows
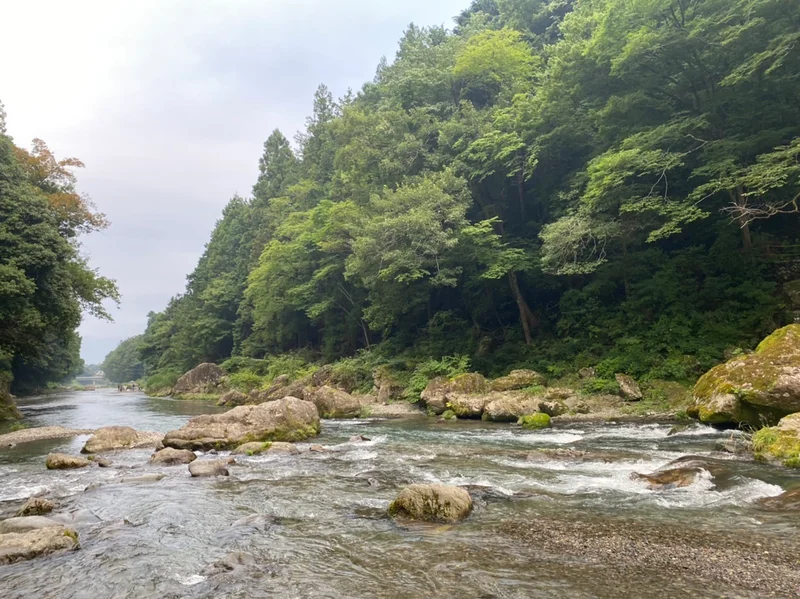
[[315, 522]]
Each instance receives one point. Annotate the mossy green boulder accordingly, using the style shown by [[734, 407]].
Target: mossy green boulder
[[535, 421], [288, 419], [432, 503], [780, 443], [441, 390], [757, 388]]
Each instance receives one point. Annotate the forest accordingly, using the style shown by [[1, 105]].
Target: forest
[[46, 284], [552, 184]]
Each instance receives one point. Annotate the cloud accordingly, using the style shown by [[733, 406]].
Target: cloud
[[169, 103]]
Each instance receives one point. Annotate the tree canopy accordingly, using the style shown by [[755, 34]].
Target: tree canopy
[[557, 183]]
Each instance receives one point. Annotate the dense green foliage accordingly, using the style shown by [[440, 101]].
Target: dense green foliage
[[45, 284], [555, 184], [124, 364]]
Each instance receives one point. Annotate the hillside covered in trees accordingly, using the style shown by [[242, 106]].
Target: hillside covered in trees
[[45, 282], [551, 184]]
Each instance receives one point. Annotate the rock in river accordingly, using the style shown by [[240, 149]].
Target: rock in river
[[61, 461], [439, 390], [432, 503], [26, 523], [334, 403], [15, 547], [764, 385], [172, 457], [200, 468], [36, 506], [288, 419], [112, 438], [508, 407], [40, 433]]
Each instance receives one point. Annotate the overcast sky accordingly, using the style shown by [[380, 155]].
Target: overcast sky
[[168, 103]]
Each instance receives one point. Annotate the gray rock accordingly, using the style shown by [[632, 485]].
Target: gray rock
[[113, 438], [201, 468], [36, 506], [61, 461], [15, 547], [205, 378], [628, 387], [172, 457], [26, 523]]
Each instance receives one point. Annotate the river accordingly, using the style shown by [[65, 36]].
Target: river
[[315, 522]]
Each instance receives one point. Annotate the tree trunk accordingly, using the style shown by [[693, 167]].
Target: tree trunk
[[524, 310], [738, 197], [521, 190]]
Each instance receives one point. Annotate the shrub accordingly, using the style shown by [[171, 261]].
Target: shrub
[[161, 382], [245, 381], [600, 386]]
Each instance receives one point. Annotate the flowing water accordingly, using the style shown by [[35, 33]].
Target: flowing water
[[316, 524]]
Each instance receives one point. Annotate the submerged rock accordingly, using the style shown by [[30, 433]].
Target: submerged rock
[[201, 468], [432, 503], [143, 479], [439, 390], [681, 473], [203, 379], [786, 501], [333, 403], [113, 438], [173, 457], [517, 379], [257, 448], [628, 387], [764, 385], [287, 419], [36, 506], [232, 561], [61, 461], [15, 547]]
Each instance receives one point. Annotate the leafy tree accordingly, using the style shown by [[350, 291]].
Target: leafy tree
[[123, 364]]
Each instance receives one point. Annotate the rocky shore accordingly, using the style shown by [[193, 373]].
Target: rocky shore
[[646, 553]]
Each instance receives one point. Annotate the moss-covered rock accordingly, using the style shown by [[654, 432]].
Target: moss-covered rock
[[334, 403], [756, 388], [449, 415], [61, 461], [535, 421], [432, 503], [288, 419], [517, 379], [508, 407], [780, 443], [440, 390], [15, 547]]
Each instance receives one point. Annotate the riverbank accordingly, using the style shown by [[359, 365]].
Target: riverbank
[[725, 564]]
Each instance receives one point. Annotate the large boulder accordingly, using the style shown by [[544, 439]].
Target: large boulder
[[440, 390], [780, 443], [113, 438], [468, 406], [203, 379], [508, 407], [432, 503], [628, 387], [62, 461], [518, 379], [762, 386], [36, 506], [15, 547], [287, 419], [173, 457], [333, 403]]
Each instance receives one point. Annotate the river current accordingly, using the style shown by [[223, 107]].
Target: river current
[[315, 523]]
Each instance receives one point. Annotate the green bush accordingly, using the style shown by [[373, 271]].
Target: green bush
[[292, 365], [240, 364], [245, 381], [161, 382], [599, 386]]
